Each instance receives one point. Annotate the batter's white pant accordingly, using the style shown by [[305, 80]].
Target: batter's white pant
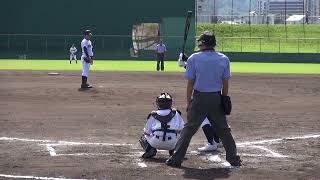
[[85, 67], [158, 143], [73, 56], [205, 122]]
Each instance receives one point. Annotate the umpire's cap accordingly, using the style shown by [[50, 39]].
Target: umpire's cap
[[207, 38], [87, 32]]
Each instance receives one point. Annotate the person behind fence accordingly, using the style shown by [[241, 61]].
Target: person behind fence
[[160, 53], [73, 56], [207, 74], [162, 128]]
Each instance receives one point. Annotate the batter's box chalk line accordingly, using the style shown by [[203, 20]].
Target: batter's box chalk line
[[50, 146], [35, 177]]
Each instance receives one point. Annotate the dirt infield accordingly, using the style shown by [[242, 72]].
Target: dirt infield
[[50, 129]]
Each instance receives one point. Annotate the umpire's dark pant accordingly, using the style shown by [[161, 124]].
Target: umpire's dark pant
[[206, 105], [160, 59]]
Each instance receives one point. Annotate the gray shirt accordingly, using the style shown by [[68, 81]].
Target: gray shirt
[[208, 69]]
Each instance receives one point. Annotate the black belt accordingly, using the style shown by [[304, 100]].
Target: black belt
[[196, 91]]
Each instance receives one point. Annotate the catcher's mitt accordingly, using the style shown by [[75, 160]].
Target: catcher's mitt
[[226, 104], [87, 60]]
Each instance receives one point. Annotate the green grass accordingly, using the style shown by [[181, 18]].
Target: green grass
[[261, 30], [149, 66], [263, 38]]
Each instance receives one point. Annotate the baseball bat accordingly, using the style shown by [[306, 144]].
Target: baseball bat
[[186, 30]]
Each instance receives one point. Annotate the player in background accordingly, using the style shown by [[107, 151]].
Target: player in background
[[86, 58], [73, 55], [162, 128], [160, 52]]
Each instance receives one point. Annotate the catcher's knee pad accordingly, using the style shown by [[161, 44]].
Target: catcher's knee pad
[[149, 150]]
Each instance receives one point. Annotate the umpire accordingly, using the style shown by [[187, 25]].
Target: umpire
[[208, 74], [160, 52]]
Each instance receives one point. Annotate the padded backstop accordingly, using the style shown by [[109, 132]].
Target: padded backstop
[[45, 29]]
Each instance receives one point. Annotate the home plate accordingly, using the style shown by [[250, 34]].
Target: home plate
[[53, 73]]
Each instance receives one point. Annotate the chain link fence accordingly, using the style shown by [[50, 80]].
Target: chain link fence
[[108, 47]]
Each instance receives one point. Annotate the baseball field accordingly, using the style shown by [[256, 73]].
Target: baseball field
[[50, 130]]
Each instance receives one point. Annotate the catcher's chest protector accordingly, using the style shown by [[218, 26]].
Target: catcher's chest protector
[[164, 120]]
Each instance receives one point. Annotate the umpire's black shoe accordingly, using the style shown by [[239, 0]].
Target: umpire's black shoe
[[86, 86], [237, 163], [171, 163]]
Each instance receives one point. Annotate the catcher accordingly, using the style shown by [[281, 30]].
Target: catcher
[[162, 128]]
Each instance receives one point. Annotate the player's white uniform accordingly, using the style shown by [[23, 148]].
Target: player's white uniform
[[156, 137], [205, 122], [86, 66], [73, 55]]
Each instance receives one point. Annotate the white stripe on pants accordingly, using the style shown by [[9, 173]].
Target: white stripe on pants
[[73, 56], [85, 67]]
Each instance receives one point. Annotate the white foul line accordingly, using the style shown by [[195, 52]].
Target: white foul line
[[50, 144], [274, 154], [59, 143], [277, 140], [34, 177]]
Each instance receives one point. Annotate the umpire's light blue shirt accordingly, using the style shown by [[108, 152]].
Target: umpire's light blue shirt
[[208, 69]]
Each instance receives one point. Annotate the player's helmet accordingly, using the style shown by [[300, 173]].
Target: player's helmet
[[87, 32], [164, 101], [208, 39]]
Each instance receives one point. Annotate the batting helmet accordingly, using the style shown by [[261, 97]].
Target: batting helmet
[[164, 101], [87, 32], [207, 39]]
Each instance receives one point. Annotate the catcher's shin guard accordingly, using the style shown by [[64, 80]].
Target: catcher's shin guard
[[150, 152]]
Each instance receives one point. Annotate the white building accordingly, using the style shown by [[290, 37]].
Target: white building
[[288, 7], [280, 8], [313, 7], [293, 7], [206, 11], [296, 19]]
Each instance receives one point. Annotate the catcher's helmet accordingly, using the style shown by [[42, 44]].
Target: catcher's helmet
[[207, 38], [164, 101]]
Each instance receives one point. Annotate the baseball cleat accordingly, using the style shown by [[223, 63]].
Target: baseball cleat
[[208, 148], [150, 154]]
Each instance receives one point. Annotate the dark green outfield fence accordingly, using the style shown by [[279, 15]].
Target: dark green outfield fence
[[46, 28]]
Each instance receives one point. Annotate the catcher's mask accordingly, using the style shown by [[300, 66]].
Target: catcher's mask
[[164, 101]]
